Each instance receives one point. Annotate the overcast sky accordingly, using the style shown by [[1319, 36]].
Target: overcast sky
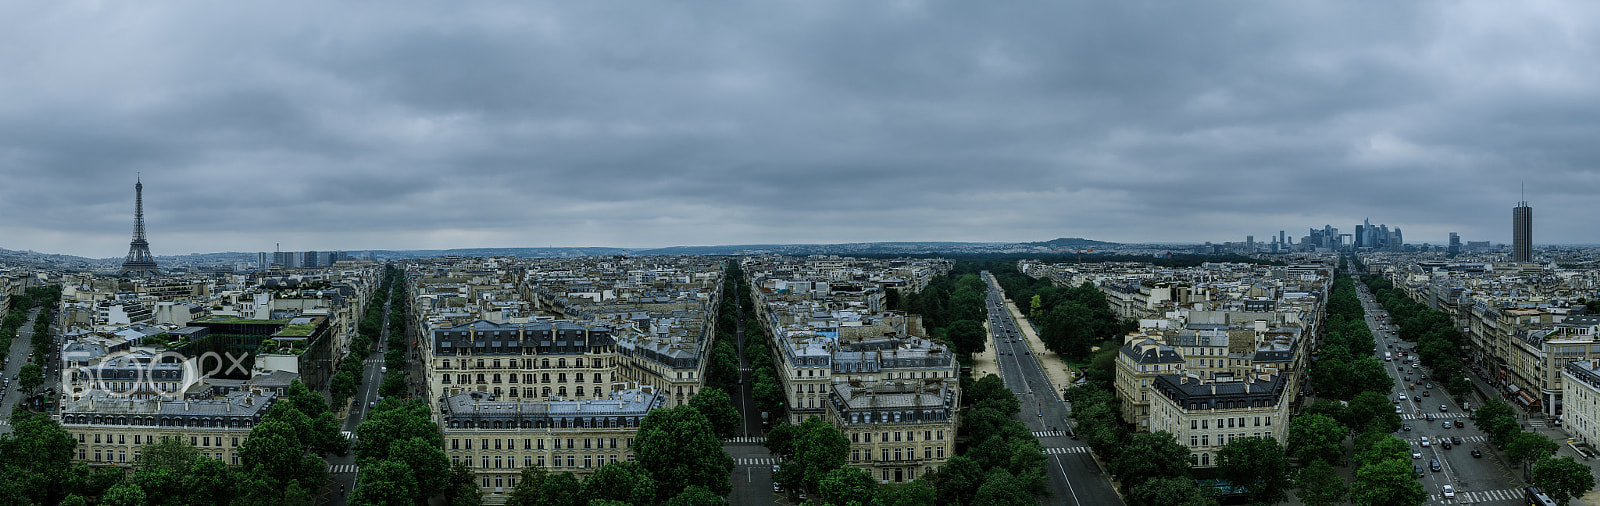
[[412, 125]]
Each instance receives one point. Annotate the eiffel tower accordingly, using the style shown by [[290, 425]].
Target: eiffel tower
[[139, 262]]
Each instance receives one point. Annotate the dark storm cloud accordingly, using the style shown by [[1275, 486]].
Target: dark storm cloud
[[425, 125]]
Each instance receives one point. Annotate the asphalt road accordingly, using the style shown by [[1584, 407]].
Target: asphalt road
[[17, 357], [1486, 480], [1075, 478], [342, 470]]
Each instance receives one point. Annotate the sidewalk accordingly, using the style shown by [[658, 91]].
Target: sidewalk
[[984, 363]]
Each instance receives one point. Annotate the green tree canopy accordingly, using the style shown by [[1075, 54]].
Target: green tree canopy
[[622, 481], [695, 495], [1562, 478], [1000, 488], [1320, 485], [1316, 437], [915, 493], [1259, 465], [1387, 483], [847, 485], [717, 407], [1526, 447], [678, 447], [1149, 455], [1169, 491]]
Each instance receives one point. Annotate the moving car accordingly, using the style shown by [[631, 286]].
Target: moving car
[[1443, 408], [1434, 465], [1424, 441], [1455, 439], [1406, 427], [1416, 454], [1449, 492], [1477, 454], [1459, 424]]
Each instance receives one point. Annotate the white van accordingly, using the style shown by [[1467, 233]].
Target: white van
[[1388, 357]]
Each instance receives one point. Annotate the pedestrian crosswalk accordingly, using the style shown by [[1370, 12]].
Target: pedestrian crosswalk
[[1436, 416], [1507, 494], [1069, 449], [758, 461], [1049, 433], [746, 440], [1464, 439], [342, 468], [1536, 423]]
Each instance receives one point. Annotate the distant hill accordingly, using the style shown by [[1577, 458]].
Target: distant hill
[[909, 248], [493, 252], [1073, 243]]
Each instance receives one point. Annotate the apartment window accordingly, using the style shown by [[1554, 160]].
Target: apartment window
[[485, 461], [455, 444], [468, 442], [445, 364], [97, 455], [496, 444], [234, 443], [885, 454], [527, 461], [557, 443], [613, 443], [586, 462], [486, 443], [939, 434], [527, 444], [541, 444], [940, 451], [497, 462], [541, 457], [194, 441], [1194, 424], [135, 439], [97, 438], [1269, 421], [855, 437], [927, 452], [1194, 440], [596, 377], [855, 455]]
